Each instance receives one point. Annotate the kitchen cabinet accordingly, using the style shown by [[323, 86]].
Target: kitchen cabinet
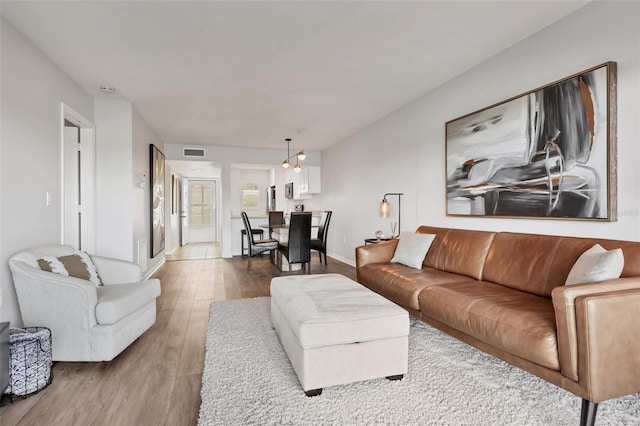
[[305, 183]]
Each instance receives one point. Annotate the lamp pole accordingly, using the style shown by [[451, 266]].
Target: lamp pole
[[386, 213]]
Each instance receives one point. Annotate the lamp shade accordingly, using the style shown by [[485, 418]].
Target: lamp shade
[[385, 208]]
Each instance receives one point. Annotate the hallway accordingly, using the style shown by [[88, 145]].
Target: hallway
[[196, 251]]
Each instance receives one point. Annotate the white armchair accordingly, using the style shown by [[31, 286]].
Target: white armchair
[[87, 323]]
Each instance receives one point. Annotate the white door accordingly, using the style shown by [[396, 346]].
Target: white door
[[72, 215], [202, 211], [78, 183]]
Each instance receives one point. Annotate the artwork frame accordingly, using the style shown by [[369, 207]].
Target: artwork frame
[[549, 153], [174, 194], [157, 187]]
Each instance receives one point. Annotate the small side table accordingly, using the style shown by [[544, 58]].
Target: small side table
[[368, 241]]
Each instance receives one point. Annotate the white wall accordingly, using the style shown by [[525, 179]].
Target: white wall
[[114, 189], [30, 156], [405, 152], [239, 177], [122, 150], [142, 137]]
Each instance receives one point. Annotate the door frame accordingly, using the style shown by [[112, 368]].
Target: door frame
[[88, 176]]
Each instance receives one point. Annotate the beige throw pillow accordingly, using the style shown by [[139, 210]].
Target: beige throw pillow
[[412, 249], [596, 264], [78, 265]]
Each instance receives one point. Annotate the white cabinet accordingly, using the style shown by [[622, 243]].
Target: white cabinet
[[310, 180], [305, 183]]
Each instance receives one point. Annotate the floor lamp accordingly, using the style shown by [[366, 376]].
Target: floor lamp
[[385, 209]]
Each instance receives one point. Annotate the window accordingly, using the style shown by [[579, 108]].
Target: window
[[250, 195]]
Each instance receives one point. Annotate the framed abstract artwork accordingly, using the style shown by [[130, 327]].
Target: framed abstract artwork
[[157, 201], [548, 153]]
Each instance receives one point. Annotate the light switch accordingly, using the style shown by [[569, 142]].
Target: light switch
[[48, 199]]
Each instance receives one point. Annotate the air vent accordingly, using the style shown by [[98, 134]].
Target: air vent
[[191, 152]]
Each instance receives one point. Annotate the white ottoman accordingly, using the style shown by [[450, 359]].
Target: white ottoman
[[337, 331]]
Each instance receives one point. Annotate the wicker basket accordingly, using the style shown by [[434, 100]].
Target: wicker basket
[[30, 360]]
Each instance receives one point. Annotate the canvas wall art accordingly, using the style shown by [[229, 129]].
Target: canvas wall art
[[157, 201], [549, 153]]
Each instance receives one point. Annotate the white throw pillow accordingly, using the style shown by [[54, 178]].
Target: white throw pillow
[[412, 248], [596, 264]]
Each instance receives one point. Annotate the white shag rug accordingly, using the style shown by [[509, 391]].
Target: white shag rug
[[248, 380]]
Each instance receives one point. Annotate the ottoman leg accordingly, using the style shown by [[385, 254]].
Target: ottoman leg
[[313, 392], [396, 377]]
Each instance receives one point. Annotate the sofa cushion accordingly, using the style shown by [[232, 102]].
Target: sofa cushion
[[522, 262], [596, 264], [412, 248], [514, 321], [116, 301], [459, 251], [402, 284]]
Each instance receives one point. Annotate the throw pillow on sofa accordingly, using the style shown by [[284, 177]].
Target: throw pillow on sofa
[[412, 249], [78, 265], [596, 264]]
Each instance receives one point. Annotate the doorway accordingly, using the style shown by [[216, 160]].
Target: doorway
[[199, 220], [78, 181], [201, 211]]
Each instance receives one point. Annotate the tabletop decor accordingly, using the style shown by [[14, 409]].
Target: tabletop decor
[[548, 153]]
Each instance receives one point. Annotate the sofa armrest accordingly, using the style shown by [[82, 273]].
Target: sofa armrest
[[608, 331], [116, 271], [375, 253], [565, 299], [381, 252]]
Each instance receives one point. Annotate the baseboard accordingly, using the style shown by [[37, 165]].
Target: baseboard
[[342, 259], [154, 270]]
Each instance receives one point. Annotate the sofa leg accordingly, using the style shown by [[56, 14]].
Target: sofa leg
[[396, 377], [313, 392], [588, 413]]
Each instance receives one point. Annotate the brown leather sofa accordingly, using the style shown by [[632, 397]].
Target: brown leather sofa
[[504, 293]]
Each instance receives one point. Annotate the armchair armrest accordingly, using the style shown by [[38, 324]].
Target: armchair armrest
[[116, 271], [375, 253], [570, 336], [66, 305]]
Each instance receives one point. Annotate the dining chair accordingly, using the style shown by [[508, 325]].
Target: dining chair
[[320, 244], [298, 248], [256, 246], [275, 218]]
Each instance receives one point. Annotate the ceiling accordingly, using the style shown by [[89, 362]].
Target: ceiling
[[251, 74]]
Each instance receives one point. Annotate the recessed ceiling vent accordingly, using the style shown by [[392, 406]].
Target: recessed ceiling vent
[[193, 152]]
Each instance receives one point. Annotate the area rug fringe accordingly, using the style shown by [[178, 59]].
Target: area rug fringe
[[247, 380]]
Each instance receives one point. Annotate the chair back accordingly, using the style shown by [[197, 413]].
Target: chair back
[[247, 228], [299, 237], [324, 226], [276, 218]]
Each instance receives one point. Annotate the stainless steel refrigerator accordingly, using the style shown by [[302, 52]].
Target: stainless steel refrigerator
[[271, 199]]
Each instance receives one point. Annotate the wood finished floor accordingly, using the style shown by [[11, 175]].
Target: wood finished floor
[[195, 251], [156, 380]]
